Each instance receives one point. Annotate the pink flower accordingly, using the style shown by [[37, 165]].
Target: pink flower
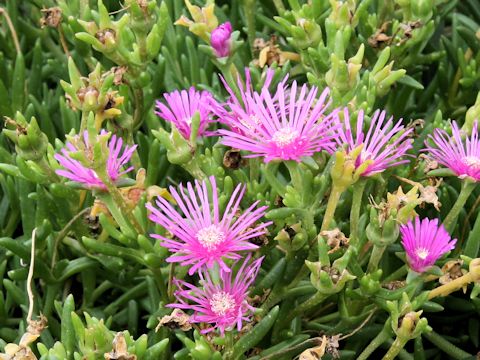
[[462, 157], [182, 105], [201, 236], [76, 171], [220, 39], [234, 110], [222, 303], [425, 242], [383, 144], [287, 126]]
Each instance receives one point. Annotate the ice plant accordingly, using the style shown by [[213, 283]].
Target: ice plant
[[384, 143], [76, 171], [201, 236], [425, 241], [220, 39], [291, 124], [221, 302], [236, 108], [181, 107], [460, 156]]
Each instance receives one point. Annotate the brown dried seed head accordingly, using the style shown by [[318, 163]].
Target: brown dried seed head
[[176, 320], [232, 159], [51, 17]]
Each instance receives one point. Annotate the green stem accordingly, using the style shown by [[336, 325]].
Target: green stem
[[227, 74], [139, 107], [194, 169], [135, 159], [250, 7], [306, 306], [397, 345], [331, 206], [118, 199], [43, 163], [279, 6], [446, 346], [382, 336], [450, 220], [295, 174], [355, 211], [397, 274], [254, 168], [270, 176], [229, 343], [83, 123], [375, 258], [157, 274]]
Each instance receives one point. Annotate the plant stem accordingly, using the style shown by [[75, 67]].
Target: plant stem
[[295, 175], [382, 336], [452, 286], [254, 165], [355, 211], [397, 345], [279, 6], [12, 30], [250, 7], [193, 168], [397, 274], [331, 206], [138, 103], [446, 346], [375, 257], [270, 176], [306, 306], [450, 220], [161, 285], [228, 354]]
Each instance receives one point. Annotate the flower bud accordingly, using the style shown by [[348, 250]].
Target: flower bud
[[220, 39]]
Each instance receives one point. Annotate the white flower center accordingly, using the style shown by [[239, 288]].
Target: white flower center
[[222, 302], [422, 253], [210, 237], [285, 136], [472, 161]]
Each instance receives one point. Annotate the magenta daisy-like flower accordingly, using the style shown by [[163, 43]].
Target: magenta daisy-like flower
[[181, 106], [289, 125], [425, 242], [384, 143], [235, 110], [74, 170], [222, 303], [460, 156], [201, 235]]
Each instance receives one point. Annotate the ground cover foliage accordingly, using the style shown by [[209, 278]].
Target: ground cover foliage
[[239, 179]]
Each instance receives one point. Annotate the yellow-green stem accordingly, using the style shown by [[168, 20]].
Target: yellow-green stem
[[375, 258], [331, 206], [355, 211], [450, 220], [396, 347], [382, 336]]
